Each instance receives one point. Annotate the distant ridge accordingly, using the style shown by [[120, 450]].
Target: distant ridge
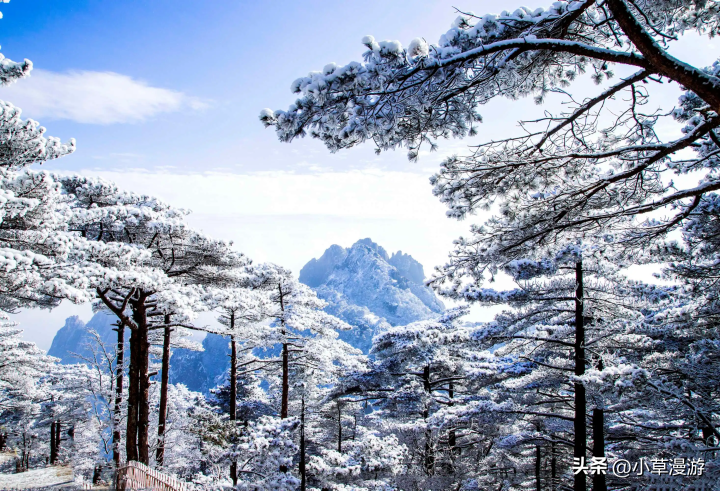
[[73, 338]]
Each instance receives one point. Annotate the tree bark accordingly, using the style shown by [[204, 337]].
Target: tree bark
[[429, 455], [339, 445], [57, 440], [580, 424], [144, 398], [452, 436], [165, 379], [538, 461], [704, 85], [119, 362], [553, 468], [131, 452], [598, 423], [138, 423], [53, 450], [233, 391], [285, 382], [301, 466], [285, 362]]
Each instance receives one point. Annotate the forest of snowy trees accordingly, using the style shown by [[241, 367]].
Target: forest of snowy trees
[[586, 368]]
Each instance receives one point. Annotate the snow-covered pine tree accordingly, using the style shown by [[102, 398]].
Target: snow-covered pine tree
[[32, 242], [587, 173], [240, 310], [575, 172], [149, 269], [414, 372]]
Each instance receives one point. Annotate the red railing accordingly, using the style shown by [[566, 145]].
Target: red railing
[[134, 475]]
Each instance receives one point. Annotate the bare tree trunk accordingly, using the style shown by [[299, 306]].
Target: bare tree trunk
[[452, 436], [429, 455], [285, 368], [285, 364], [339, 411], [53, 450], [538, 461], [142, 379], [598, 428], [303, 479], [165, 379], [599, 483], [119, 361], [233, 391], [580, 424], [553, 468], [131, 432], [285, 381], [144, 401]]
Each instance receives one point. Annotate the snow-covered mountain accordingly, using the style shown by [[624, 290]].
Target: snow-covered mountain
[[363, 285], [74, 339], [370, 290]]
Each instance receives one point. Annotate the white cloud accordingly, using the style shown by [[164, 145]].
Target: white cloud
[[368, 193], [289, 218], [94, 97]]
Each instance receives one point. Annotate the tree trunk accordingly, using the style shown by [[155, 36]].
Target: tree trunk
[[339, 445], [538, 486], [285, 382], [131, 432], [598, 427], [580, 424], [452, 436], [598, 423], [57, 440], [53, 450], [165, 378], [97, 472], [303, 479], [144, 400], [429, 455], [119, 361], [285, 362], [553, 468], [233, 391], [141, 408], [285, 367]]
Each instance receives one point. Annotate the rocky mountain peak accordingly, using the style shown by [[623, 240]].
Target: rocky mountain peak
[[370, 289]]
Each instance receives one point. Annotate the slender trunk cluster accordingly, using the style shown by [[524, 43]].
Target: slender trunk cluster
[[137, 438]]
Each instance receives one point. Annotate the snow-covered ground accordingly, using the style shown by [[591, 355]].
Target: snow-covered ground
[[35, 478]]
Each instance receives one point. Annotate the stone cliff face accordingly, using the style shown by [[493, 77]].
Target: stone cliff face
[[201, 370], [362, 284], [74, 338]]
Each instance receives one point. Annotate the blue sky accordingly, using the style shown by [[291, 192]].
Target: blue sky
[[230, 59], [163, 97]]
